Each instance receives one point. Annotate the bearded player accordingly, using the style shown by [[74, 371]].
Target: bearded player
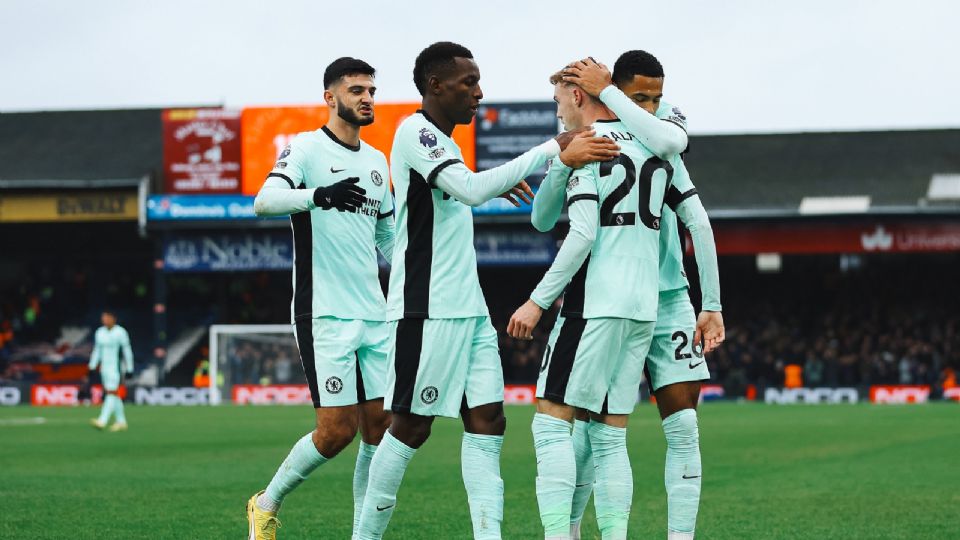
[[335, 188]]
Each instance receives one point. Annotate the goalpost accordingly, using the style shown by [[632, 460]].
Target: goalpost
[[251, 354]]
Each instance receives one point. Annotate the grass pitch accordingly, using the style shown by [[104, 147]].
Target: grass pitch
[[841, 471]]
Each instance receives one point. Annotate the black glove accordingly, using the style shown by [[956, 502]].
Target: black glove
[[345, 196]]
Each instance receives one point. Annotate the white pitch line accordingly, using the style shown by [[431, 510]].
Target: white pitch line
[[36, 421]]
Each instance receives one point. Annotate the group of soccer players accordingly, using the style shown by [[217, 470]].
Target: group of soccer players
[[388, 367]]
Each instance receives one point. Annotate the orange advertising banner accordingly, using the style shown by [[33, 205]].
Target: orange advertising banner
[[265, 131]]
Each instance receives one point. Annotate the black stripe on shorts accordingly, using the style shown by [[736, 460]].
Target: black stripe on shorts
[[307, 358], [406, 362], [361, 391], [561, 361]]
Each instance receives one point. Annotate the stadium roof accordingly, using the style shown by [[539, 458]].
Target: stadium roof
[[102, 148], [744, 174]]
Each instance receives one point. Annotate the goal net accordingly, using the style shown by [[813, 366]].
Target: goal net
[[254, 359]]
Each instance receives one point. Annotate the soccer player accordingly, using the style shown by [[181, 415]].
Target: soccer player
[[608, 265], [445, 360], [336, 190], [674, 365], [108, 342]]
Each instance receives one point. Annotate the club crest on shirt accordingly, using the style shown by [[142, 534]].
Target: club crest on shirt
[[427, 138], [376, 178], [285, 153]]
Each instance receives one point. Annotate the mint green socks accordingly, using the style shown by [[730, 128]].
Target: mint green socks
[[480, 464], [386, 473], [586, 474], [302, 460], [361, 473], [682, 471], [613, 490], [556, 472]]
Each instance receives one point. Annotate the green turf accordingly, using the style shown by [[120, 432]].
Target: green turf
[[769, 472]]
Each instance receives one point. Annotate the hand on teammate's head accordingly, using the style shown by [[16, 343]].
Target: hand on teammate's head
[[589, 75]]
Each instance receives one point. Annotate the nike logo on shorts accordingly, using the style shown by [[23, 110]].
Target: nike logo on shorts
[[685, 477], [384, 508], [691, 366]]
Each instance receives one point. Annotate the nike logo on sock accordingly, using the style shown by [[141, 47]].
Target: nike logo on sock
[[685, 477], [335, 171], [691, 366], [384, 508]]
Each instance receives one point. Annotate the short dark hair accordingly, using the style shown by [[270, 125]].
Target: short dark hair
[[633, 63], [434, 58], [341, 67]]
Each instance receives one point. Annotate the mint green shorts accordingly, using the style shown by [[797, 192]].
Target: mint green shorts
[[436, 364], [588, 361], [673, 357], [344, 360]]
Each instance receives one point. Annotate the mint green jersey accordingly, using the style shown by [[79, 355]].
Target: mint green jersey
[[434, 273], [108, 345], [672, 274], [335, 270], [620, 276]]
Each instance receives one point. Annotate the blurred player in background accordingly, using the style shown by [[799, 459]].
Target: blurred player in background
[[608, 265], [109, 341], [445, 360], [675, 365], [336, 190]]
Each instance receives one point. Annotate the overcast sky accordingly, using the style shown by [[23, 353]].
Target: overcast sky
[[733, 66]]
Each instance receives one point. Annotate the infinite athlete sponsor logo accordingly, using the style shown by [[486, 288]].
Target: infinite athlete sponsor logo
[[429, 394], [334, 385]]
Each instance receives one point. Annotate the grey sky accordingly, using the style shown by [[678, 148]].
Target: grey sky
[[735, 66]]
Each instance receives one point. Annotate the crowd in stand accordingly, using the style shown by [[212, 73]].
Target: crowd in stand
[[888, 322]]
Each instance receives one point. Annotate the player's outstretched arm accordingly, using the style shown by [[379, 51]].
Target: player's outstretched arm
[[385, 233], [277, 197], [691, 212], [584, 220], [94, 355], [474, 189], [664, 137], [582, 150], [548, 205], [127, 353]]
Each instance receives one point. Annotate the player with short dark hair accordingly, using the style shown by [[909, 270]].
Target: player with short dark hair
[[607, 266], [445, 359], [336, 190], [109, 342], [674, 365]]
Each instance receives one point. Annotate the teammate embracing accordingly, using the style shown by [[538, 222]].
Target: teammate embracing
[[674, 364], [608, 266], [336, 190], [445, 359]]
